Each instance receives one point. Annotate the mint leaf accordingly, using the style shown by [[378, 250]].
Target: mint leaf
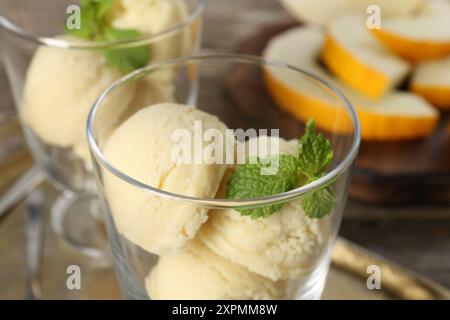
[[261, 212], [103, 8], [126, 59], [319, 203], [314, 156], [95, 26], [315, 152], [248, 182]]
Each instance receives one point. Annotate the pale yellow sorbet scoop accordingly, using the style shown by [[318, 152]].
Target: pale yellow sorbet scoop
[[198, 273], [142, 148], [285, 245]]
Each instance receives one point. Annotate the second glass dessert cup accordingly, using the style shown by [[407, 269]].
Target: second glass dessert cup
[[173, 233], [55, 78]]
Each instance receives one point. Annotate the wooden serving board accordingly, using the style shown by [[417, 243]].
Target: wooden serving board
[[394, 173]]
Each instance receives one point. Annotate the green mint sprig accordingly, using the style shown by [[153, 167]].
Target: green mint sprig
[[126, 59], [314, 152], [313, 159], [248, 182], [314, 156], [96, 26]]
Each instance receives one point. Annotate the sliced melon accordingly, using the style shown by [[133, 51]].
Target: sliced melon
[[421, 36], [432, 81], [322, 11], [399, 115], [357, 58]]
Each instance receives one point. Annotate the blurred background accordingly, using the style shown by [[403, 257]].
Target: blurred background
[[396, 210]]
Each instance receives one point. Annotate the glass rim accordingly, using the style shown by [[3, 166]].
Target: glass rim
[[213, 202], [54, 42]]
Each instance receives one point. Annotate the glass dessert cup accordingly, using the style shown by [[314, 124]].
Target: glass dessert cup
[[168, 244], [55, 78]]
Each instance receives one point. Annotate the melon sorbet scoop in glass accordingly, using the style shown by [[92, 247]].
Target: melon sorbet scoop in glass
[[185, 223], [58, 66]]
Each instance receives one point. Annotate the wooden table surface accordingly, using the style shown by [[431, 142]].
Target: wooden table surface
[[415, 237]]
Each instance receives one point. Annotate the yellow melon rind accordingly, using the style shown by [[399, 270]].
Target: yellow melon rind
[[353, 72], [437, 96], [411, 49], [374, 126]]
